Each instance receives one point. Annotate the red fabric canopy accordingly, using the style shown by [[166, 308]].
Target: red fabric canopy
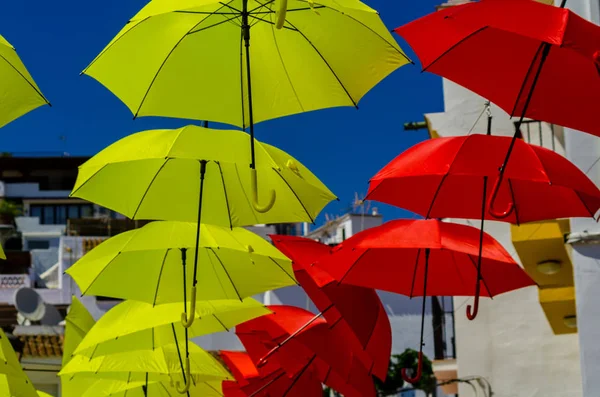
[[444, 177], [494, 48]]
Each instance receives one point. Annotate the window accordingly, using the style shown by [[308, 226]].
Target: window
[[58, 214], [38, 244]]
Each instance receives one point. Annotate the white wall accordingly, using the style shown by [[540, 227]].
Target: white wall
[[584, 150]]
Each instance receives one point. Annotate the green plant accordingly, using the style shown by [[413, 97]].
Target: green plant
[[394, 382], [10, 208]]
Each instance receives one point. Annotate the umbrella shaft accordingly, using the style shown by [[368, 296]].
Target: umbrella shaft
[[246, 35], [424, 297]]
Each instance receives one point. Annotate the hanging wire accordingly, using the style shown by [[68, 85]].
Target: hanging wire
[[486, 107]]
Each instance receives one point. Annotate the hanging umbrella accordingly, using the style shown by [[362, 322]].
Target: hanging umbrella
[[531, 59], [445, 177], [162, 174], [2, 254], [316, 347], [427, 258], [161, 364], [246, 61], [274, 382], [77, 324], [133, 325], [451, 177], [233, 264], [356, 308], [133, 388], [18, 91]]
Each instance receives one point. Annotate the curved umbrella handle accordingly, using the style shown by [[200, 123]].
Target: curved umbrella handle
[[188, 378], [417, 376], [185, 321], [258, 207], [499, 214], [472, 314], [280, 14]]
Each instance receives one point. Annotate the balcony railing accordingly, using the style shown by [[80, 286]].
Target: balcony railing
[[14, 281]]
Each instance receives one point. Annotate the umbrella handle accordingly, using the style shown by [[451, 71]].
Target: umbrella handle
[[499, 214], [188, 378], [187, 322], [417, 376], [472, 314], [280, 14], [258, 207]]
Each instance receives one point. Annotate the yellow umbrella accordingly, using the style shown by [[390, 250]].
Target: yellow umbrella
[[233, 264], [13, 381], [135, 325], [16, 386], [43, 394], [195, 59], [78, 322], [2, 254], [162, 174], [160, 364], [18, 91], [152, 389]]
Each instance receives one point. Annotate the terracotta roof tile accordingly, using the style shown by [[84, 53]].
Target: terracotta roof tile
[[42, 345]]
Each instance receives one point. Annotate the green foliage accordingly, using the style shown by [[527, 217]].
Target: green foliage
[[394, 382], [9, 208]]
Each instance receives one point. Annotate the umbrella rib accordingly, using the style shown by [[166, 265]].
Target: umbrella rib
[[148, 188], [327, 63], [283, 270], [113, 43], [87, 180], [412, 287], [283, 64], [100, 273], [27, 80], [213, 25], [221, 323], [437, 191], [426, 69], [225, 192], [584, 204], [165, 61], [261, 6], [352, 266], [374, 32], [526, 78], [226, 272], [296, 195], [162, 266]]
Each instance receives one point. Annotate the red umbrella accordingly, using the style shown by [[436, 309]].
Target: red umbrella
[[316, 348], [271, 382], [531, 59], [427, 258], [504, 49], [450, 177], [445, 177], [356, 309]]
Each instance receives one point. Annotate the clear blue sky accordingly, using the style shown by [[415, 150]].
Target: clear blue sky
[[57, 39]]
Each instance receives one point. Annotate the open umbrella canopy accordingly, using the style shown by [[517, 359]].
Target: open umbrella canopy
[[184, 58], [529, 58], [358, 309], [136, 387], [444, 178], [13, 386], [268, 382], [305, 348], [232, 264], [18, 91], [133, 325], [157, 174], [391, 257], [160, 362]]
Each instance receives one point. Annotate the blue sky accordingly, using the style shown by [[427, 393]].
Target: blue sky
[[344, 147]]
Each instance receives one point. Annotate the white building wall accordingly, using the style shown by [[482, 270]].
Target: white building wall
[[584, 151]]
